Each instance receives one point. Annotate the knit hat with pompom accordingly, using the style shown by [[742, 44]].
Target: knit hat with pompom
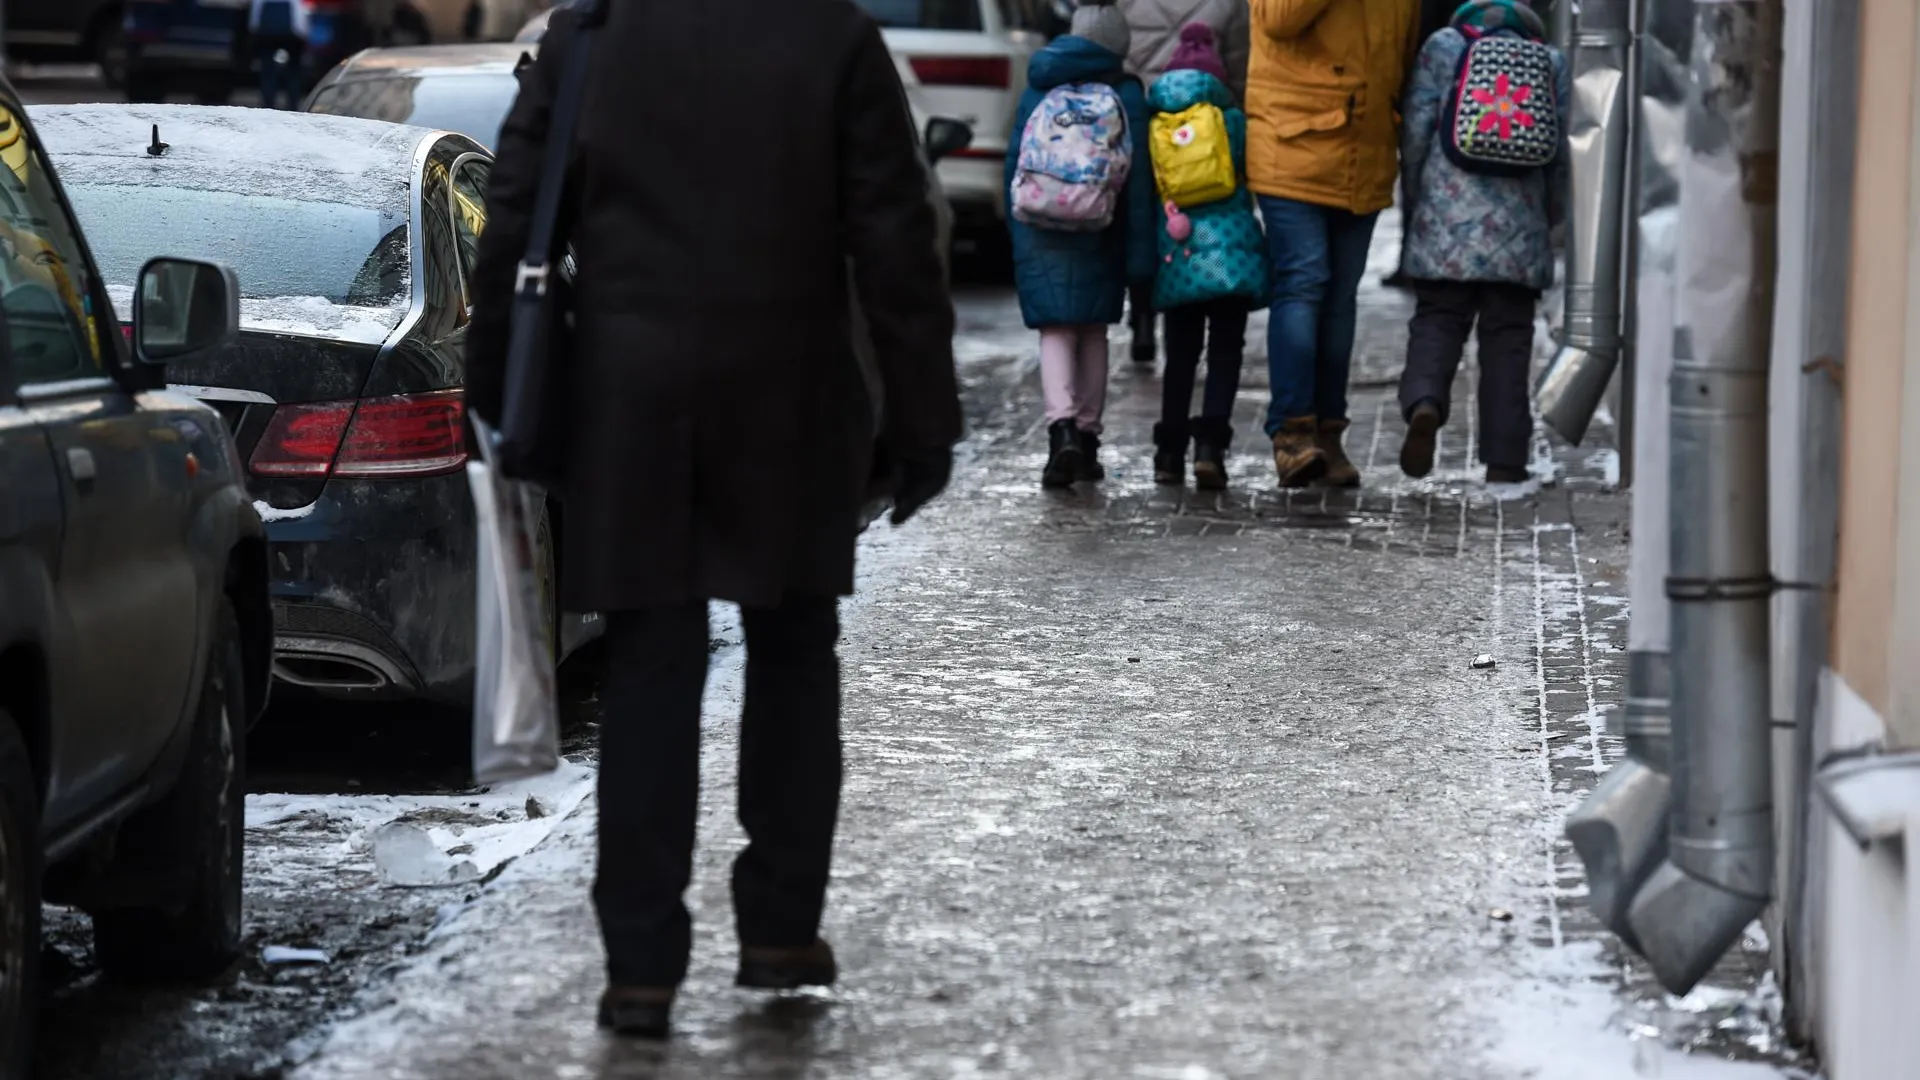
[[1100, 22], [1197, 52]]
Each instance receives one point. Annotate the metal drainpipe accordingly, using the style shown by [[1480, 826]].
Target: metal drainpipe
[[1620, 831], [1719, 871], [1574, 383]]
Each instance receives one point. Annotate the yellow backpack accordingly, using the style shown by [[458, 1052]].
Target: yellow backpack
[[1192, 158]]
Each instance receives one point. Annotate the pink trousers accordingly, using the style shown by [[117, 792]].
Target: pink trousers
[[1073, 374]]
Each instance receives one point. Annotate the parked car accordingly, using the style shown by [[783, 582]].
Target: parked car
[[201, 47], [59, 30], [353, 240], [966, 59], [463, 88], [135, 630]]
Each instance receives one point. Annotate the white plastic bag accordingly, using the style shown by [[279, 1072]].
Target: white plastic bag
[[516, 706]]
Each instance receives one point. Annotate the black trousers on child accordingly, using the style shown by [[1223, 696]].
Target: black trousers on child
[[1444, 314], [1217, 328], [789, 784]]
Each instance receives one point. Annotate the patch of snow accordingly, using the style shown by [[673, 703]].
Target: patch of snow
[[282, 954], [269, 513], [232, 149], [464, 837], [1607, 463], [308, 316], [317, 316]]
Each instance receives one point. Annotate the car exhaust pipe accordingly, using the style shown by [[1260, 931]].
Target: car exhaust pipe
[[328, 673], [1575, 381], [1718, 876]]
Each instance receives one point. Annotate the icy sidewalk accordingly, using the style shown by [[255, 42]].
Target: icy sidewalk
[[1144, 783]]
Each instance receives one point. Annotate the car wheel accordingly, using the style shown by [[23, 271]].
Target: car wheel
[[196, 837], [19, 903]]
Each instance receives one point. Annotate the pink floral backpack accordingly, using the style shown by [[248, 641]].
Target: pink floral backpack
[[1503, 119]]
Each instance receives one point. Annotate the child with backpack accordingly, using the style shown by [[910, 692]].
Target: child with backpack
[[1082, 218], [1484, 163], [1213, 256]]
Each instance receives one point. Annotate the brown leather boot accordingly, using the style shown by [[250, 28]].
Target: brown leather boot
[[1297, 456], [640, 1012], [1341, 471], [786, 967]]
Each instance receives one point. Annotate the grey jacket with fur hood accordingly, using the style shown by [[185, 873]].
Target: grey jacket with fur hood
[[1156, 33]]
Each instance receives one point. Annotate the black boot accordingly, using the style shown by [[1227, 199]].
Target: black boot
[[1063, 455], [641, 1012], [1169, 453], [1145, 348], [1211, 440], [1090, 468]]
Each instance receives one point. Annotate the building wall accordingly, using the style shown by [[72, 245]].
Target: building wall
[[1877, 349], [1866, 903]]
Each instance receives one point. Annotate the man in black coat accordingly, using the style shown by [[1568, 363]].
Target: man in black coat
[[731, 157]]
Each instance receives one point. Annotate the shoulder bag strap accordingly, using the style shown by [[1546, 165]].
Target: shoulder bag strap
[[530, 283]]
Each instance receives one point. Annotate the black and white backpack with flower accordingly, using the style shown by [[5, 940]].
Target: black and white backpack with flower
[[1503, 118]]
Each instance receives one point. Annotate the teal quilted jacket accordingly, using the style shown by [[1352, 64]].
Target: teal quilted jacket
[[1227, 254]]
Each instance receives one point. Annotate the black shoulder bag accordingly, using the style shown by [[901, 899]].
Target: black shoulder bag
[[533, 417]]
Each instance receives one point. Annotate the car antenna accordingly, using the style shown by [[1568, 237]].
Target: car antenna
[[156, 148]]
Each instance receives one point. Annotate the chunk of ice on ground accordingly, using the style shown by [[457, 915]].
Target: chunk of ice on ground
[[406, 855]]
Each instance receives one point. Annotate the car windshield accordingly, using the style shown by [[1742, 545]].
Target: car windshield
[[473, 105], [925, 14], [279, 247]]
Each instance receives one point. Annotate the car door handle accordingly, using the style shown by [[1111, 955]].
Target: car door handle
[[80, 465]]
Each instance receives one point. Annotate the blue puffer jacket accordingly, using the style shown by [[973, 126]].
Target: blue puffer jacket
[[1227, 254], [1080, 279]]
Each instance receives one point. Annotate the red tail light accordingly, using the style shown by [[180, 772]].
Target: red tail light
[[410, 435], [302, 440], [986, 71]]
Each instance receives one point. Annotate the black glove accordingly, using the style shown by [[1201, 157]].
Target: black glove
[[921, 476]]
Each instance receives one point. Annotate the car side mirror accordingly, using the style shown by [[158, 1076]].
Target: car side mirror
[[946, 137], [183, 307]]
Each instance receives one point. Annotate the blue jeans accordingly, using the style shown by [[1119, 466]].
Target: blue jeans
[[1319, 254]]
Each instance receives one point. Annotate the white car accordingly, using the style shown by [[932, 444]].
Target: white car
[[965, 59]]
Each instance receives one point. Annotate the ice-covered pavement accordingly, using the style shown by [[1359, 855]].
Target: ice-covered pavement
[[1153, 784]]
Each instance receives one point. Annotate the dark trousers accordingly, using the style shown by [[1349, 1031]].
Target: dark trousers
[[280, 80], [1219, 329], [789, 785], [1445, 313], [1140, 312]]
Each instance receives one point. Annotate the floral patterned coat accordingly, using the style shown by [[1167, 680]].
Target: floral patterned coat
[[1467, 226]]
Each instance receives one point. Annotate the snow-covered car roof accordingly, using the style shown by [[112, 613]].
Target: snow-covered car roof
[[291, 201], [230, 149]]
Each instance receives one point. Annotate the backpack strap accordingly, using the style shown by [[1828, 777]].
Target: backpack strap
[[530, 282]]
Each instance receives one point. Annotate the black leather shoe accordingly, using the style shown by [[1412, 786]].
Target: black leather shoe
[[1090, 467], [638, 1012], [787, 968], [1063, 455]]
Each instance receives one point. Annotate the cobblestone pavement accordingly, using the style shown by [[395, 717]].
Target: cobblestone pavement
[[1150, 783]]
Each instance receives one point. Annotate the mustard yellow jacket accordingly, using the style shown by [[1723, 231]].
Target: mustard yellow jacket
[[1323, 88]]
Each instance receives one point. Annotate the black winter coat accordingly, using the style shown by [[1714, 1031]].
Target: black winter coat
[[732, 156]]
